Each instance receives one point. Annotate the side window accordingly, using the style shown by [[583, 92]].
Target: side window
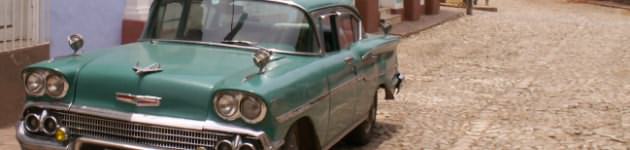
[[339, 30], [195, 22], [169, 18], [347, 30], [326, 24]]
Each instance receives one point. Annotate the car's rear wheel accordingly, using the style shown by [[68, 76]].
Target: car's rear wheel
[[363, 133]]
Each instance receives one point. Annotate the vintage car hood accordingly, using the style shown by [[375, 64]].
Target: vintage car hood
[[191, 73]]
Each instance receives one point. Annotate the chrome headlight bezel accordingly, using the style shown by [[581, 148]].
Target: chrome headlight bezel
[[61, 81], [257, 103], [40, 78], [44, 76], [240, 97], [27, 122], [233, 114]]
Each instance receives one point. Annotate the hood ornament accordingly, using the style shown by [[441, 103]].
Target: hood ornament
[[139, 100], [148, 69], [75, 41], [262, 57]]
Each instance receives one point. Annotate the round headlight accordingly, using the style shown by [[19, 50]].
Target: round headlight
[[56, 86], [226, 106], [31, 123], [34, 84], [50, 125], [252, 110], [247, 146], [224, 145]]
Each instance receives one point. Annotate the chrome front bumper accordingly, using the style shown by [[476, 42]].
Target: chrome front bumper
[[32, 141], [398, 83], [29, 142], [36, 143]]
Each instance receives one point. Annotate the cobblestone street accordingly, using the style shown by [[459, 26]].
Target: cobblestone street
[[539, 74]]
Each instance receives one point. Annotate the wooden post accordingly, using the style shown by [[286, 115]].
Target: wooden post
[[412, 10], [469, 7], [369, 14]]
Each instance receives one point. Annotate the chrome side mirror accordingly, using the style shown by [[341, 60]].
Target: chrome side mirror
[[75, 41], [262, 57], [386, 27]]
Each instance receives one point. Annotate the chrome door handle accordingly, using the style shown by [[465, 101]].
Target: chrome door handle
[[349, 60], [369, 57]]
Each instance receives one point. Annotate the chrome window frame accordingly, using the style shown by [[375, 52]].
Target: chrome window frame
[[339, 11]]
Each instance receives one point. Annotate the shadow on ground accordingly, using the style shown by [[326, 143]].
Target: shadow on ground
[[383, 132]]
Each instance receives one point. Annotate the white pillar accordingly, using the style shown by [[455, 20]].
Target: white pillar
[[137, 10]]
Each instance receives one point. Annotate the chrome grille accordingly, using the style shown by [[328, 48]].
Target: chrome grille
[[129, 132]]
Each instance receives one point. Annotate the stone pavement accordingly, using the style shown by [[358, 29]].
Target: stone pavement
[[407, 28], [539, 74]]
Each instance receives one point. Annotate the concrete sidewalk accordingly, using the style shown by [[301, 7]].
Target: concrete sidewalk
[[7, 139]]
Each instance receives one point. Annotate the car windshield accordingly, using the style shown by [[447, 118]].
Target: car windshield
[[265, 24]]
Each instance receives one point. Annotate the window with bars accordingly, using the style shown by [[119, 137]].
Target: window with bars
[[23, 23]]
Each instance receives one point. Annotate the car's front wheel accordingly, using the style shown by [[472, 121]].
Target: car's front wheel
[[298, 138], [291, 140], [363, 133]]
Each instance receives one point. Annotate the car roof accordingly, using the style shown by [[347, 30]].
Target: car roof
[[311, 5]]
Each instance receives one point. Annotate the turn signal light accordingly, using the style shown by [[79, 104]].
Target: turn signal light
[[61, 135]]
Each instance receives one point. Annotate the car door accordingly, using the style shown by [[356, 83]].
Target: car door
[[365, 67], [342, 77]]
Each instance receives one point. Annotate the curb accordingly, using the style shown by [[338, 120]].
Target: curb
[[481, 8], [459, 15], [608, 4]]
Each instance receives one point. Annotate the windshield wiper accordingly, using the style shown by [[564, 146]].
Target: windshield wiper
[[239, 42]]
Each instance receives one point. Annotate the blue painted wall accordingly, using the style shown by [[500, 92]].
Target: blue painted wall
[[99, 21]]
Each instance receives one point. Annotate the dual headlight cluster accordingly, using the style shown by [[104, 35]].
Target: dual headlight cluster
[[41, 82], [44, 122], [232, 105]]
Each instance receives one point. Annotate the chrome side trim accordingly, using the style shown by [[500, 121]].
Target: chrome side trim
[[301, 109], [310, 103], [160, 120], [335, 89]]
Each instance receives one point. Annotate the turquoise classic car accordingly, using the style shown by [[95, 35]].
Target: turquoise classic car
[[217, 74]]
